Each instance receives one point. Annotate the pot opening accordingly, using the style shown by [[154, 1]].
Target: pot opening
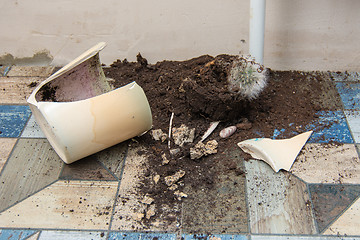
[[81, 82]]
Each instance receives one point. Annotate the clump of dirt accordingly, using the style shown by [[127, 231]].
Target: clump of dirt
[[48, 93], [196, 91]]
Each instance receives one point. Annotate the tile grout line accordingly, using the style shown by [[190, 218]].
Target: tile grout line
[[346, 119], [7, 159], [25, 125], [343, 111], [247, 198], [348, 125], [312, 208], [117, 192], [7, 70], [108, 170], [340, 215], [26, 197], [38, 237]]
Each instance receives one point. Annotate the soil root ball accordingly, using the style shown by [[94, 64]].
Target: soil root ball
[[212, 102]]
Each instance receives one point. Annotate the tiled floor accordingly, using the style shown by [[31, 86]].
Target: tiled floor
[[96, 198]]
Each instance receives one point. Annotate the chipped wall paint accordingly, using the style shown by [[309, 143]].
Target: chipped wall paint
[[300, 34], [39, 58]]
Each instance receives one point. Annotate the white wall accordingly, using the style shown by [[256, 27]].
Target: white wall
[[300, 34]]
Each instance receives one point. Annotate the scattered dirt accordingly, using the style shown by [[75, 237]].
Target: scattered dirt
[[32, 84], [196, 91]]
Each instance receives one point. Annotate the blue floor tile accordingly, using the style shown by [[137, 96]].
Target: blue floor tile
[[13, 119], [350, 94], [141, 236], [8, 234], [215, 236], [330, 126]]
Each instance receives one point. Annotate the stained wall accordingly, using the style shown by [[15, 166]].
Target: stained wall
[[300, 34]]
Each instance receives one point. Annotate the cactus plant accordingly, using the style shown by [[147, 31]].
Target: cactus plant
[[247, 77]]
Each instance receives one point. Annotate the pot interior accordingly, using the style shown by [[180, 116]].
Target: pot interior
[[83, 81]]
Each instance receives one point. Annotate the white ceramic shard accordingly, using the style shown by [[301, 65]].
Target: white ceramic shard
[[79, 112], [279, 154]]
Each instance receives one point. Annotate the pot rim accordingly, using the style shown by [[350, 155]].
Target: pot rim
[[80, 59]]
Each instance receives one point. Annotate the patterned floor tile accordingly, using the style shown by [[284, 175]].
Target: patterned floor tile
[[4, 70], [221, 208], [347, 223], [141, 236], [113, 158], [32, 166], [86, 169], [350, 94], [30, 71], [65, 205], [345, 76], [278, 202], [330, 126], [353, 118], [32, 129], [16, 90], [329, 201], [72, 235], [10, 234], [328, 163], [267, 237], [6, 145], [213, 237], [13, 119], [35, 236], [129, 210]]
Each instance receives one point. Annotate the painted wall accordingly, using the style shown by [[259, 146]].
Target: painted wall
[[300, 34]]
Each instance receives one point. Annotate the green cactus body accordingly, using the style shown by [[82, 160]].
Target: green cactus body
[[247, 78]]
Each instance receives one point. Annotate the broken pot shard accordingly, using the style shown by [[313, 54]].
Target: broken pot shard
[[79, 112], [279, 154]]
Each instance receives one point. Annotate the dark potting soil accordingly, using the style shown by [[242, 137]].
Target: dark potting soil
[[196, 91]]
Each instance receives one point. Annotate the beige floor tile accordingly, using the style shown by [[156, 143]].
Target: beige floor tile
[[278, 202], [34, 237], [6, 145], [30, 71], [17, 89], [129, 210], [328, 163], [348, 223], [64, 205], [220, 208], [32, 165]]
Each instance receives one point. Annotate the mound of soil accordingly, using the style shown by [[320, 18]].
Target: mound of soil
[[196, 92]]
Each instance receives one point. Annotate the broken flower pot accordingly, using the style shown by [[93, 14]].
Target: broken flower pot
[[279, 154], [80, 113]]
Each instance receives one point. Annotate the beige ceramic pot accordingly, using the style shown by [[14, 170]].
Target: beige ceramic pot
[[279, 154], [81, 114]]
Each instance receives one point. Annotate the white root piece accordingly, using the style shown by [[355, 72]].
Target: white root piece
[[212, 127], [170, 126]]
